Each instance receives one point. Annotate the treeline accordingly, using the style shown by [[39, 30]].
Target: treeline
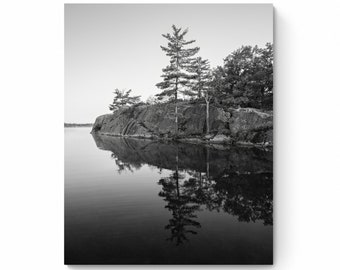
[[77, 125], [244, 80]]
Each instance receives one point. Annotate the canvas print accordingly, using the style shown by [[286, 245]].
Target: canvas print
[[168, 134]]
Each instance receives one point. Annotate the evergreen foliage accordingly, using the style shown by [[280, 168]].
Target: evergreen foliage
[[200, 78], [175, 75], [122, 98], [244, 80]]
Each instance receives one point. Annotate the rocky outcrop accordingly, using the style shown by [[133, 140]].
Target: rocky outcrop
[[251, 125], [242, 125]]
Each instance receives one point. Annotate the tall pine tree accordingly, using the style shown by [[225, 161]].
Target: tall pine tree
[[200, 78], [175, 75]]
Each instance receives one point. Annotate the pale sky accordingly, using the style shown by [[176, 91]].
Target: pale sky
[[110, 46]]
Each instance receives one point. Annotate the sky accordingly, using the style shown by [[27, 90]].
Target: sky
[[110, 46]]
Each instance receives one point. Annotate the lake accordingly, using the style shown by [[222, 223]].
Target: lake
[[135, 201]]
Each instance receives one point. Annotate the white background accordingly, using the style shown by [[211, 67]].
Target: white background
[[307, 152]]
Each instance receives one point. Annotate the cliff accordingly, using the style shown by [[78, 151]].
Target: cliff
[[244, 125]]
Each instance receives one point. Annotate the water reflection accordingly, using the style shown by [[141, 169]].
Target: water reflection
[[182, 205], [235, 180]]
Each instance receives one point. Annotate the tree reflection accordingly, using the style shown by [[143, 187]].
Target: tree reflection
[[247, 196], [182, 207], [125, 166], [237, 181], [179, 196]]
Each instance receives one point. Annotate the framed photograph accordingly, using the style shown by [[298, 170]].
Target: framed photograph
[[168, 134]]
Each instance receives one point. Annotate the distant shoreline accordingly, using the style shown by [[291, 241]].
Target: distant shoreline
[[69, 125]]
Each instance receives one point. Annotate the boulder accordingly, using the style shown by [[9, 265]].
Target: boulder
[[251, 125]]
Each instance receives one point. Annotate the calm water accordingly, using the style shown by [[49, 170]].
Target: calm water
[[130, 201]]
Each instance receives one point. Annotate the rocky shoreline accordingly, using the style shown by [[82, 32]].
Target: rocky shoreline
[[243, 126], [221, 144]]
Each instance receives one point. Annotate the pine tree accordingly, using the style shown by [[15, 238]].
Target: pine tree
[[200, 77], [175, 75], [122, 98], [201, 84]]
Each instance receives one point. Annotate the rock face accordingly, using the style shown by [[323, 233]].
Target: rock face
[[251, 125], [158, 121]]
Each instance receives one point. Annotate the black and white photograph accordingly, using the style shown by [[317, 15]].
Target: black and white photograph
[[169, 134], [179, 135]]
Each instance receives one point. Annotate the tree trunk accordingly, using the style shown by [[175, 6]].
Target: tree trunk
[[199, 89], [176, 90], [176, 116], [208, 164], [177, 185], [207, 115], [177, 176]]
